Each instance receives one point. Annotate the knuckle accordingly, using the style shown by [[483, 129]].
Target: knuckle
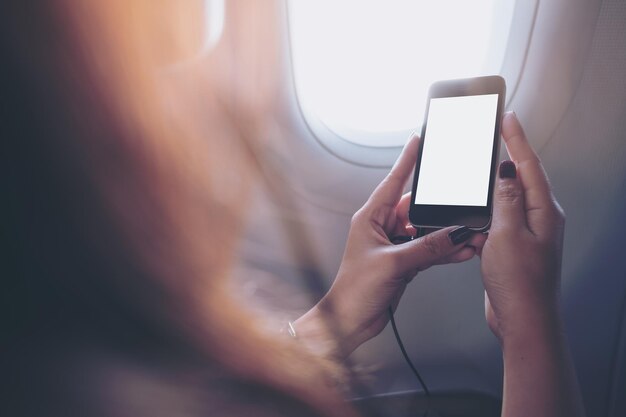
[[432, 245], [509, 193], [356, 217], [531, 162]]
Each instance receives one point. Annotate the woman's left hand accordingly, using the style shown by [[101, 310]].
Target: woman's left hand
[[374, 272]]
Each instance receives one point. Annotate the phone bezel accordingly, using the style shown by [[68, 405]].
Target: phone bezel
[[475, 217]]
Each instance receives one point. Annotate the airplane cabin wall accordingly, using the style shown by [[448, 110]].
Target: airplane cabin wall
[[572, 101]]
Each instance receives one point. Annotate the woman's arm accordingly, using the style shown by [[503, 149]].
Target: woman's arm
[[374, 272], [539, 378], [521, 266]]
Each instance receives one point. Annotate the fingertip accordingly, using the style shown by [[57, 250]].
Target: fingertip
[[508, 208], [507, 170], [467, 253], [405, 201], [510, 114], [390, 189], [510, 121], [464, 254], [460, 235], [412, 142], [511, 127], [477, 241], [434, 248]]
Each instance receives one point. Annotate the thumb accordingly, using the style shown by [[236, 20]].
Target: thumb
[[429, 250], [508, 208]]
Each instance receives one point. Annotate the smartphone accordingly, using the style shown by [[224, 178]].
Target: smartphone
[[456, 166]]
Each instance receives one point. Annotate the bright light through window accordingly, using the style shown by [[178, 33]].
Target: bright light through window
[[363, 67]]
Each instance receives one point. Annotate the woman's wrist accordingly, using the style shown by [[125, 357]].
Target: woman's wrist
[[539, 377], [315, 329], [525, 325], [315, 335]]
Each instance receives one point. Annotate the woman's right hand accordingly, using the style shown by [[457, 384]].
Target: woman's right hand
[[521, 266], [521, 259]]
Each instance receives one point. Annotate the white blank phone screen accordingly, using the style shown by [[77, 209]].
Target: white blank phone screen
[[458, 143]]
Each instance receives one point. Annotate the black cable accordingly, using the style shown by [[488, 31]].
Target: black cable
[[398, 240], [408, 360]]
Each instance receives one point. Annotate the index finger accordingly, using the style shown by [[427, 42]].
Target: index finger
[[538, 197], [390, 189]]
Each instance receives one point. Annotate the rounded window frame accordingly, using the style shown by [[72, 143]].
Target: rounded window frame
[[522, 25]]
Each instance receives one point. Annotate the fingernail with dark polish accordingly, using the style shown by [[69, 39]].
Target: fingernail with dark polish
[[507, 169], [460, 234]]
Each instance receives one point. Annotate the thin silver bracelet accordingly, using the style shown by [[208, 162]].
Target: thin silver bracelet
[[289, 329]]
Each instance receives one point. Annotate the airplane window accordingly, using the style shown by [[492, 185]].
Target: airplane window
[[362, 67]]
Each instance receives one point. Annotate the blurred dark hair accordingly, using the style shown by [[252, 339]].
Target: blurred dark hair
[[122, 201]]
